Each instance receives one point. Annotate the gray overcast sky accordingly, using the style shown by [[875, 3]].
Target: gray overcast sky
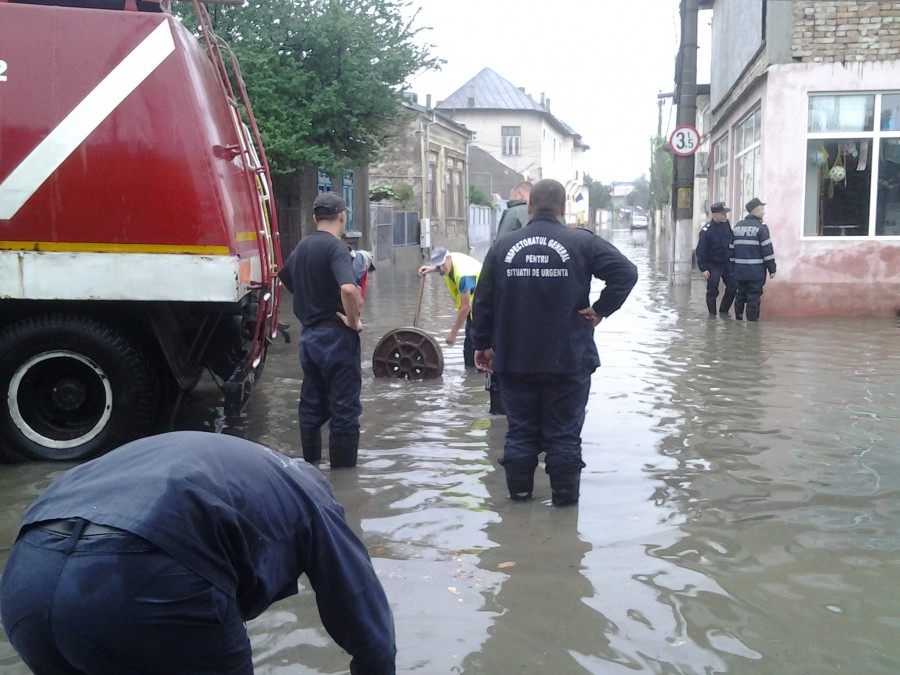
[[601, 63]]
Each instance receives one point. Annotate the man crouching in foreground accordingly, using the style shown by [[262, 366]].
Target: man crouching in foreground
[[149, 559]]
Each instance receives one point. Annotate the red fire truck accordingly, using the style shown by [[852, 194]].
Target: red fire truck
[[138, 242]]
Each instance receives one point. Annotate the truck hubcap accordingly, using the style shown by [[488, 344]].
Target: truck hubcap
[[60, 399]]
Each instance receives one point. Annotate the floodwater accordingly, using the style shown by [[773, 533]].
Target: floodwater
[[740, 509]]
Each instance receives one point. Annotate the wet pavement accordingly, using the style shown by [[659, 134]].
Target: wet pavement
[[739, 509]]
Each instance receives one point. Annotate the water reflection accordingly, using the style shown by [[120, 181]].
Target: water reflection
[[739, 509], [539, 599]]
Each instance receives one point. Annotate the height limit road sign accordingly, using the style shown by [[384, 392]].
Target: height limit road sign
[[684, 141]]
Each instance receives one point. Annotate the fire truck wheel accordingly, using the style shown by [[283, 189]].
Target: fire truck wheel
[[76, 388]]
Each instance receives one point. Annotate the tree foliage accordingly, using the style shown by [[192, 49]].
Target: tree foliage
[[401, 193], [479, 197], [661, 173], [599, 195], [325, 77], [640, 193]]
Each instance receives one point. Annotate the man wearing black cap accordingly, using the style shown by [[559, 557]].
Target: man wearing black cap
[[714, 259], [753, 256], [319, 273]]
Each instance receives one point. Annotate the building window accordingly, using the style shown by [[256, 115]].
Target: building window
[[449, 195], [720, 171], [512, 140], [460, 196], [853, 166], [747, 159], [432, 192]]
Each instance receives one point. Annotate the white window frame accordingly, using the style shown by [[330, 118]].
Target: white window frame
[[874, 136], [747, 153], [720, 170], [512, 141]]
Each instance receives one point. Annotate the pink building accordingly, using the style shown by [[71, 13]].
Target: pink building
[[805, 114]]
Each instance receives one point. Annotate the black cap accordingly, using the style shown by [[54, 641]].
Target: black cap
[[719, 207], [329, 204], [753, 203]]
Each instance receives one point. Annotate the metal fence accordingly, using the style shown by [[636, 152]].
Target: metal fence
[[393, 228]]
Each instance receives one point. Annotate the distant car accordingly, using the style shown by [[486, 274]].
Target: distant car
[[639, 221]]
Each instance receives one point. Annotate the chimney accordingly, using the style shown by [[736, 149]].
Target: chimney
[[471, 101], [542, 99], [428, 102], [547, 105]]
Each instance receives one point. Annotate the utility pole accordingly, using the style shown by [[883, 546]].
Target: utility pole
[[659, 104], [683, 188], [654, 153]]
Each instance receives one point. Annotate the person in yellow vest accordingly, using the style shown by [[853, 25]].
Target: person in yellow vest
[[461, 274]]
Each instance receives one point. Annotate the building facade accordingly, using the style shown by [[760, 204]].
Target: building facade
[[428, 160], [522, 134], [804, 113]]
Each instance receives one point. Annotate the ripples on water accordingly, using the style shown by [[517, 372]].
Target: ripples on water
[[739, 509]]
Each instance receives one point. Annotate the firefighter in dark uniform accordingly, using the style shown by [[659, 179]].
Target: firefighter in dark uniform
[[151, 559], [714, 259], [534, 325], [753, 256], [327, 301]]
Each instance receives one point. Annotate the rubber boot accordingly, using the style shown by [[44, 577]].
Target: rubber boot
[[311, 442], [711, 306], [564, 488], [727, 300], [738, 311], [520, 485], [342, 450]]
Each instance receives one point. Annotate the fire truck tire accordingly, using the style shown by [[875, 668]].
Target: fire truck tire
[[75, 388]]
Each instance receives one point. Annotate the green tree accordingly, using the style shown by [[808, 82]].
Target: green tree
[[479, 197], [599, 195], [640, 193], [325, 76], [660, 173]]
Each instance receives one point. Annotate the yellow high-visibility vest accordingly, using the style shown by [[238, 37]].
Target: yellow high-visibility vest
[[463, 266]]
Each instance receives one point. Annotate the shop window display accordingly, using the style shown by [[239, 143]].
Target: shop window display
[[853, 166]]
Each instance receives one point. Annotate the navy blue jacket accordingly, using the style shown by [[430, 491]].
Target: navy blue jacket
[[532, 284], [753, 254], [247, 519], [714, 245], [314, 273]]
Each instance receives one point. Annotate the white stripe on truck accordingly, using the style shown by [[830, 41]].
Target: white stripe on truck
[[40, 275], [51, 152]]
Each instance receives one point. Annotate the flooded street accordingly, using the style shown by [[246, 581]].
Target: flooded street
[[740, 509]]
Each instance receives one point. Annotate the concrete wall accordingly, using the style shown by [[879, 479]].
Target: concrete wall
[[737, 28]]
